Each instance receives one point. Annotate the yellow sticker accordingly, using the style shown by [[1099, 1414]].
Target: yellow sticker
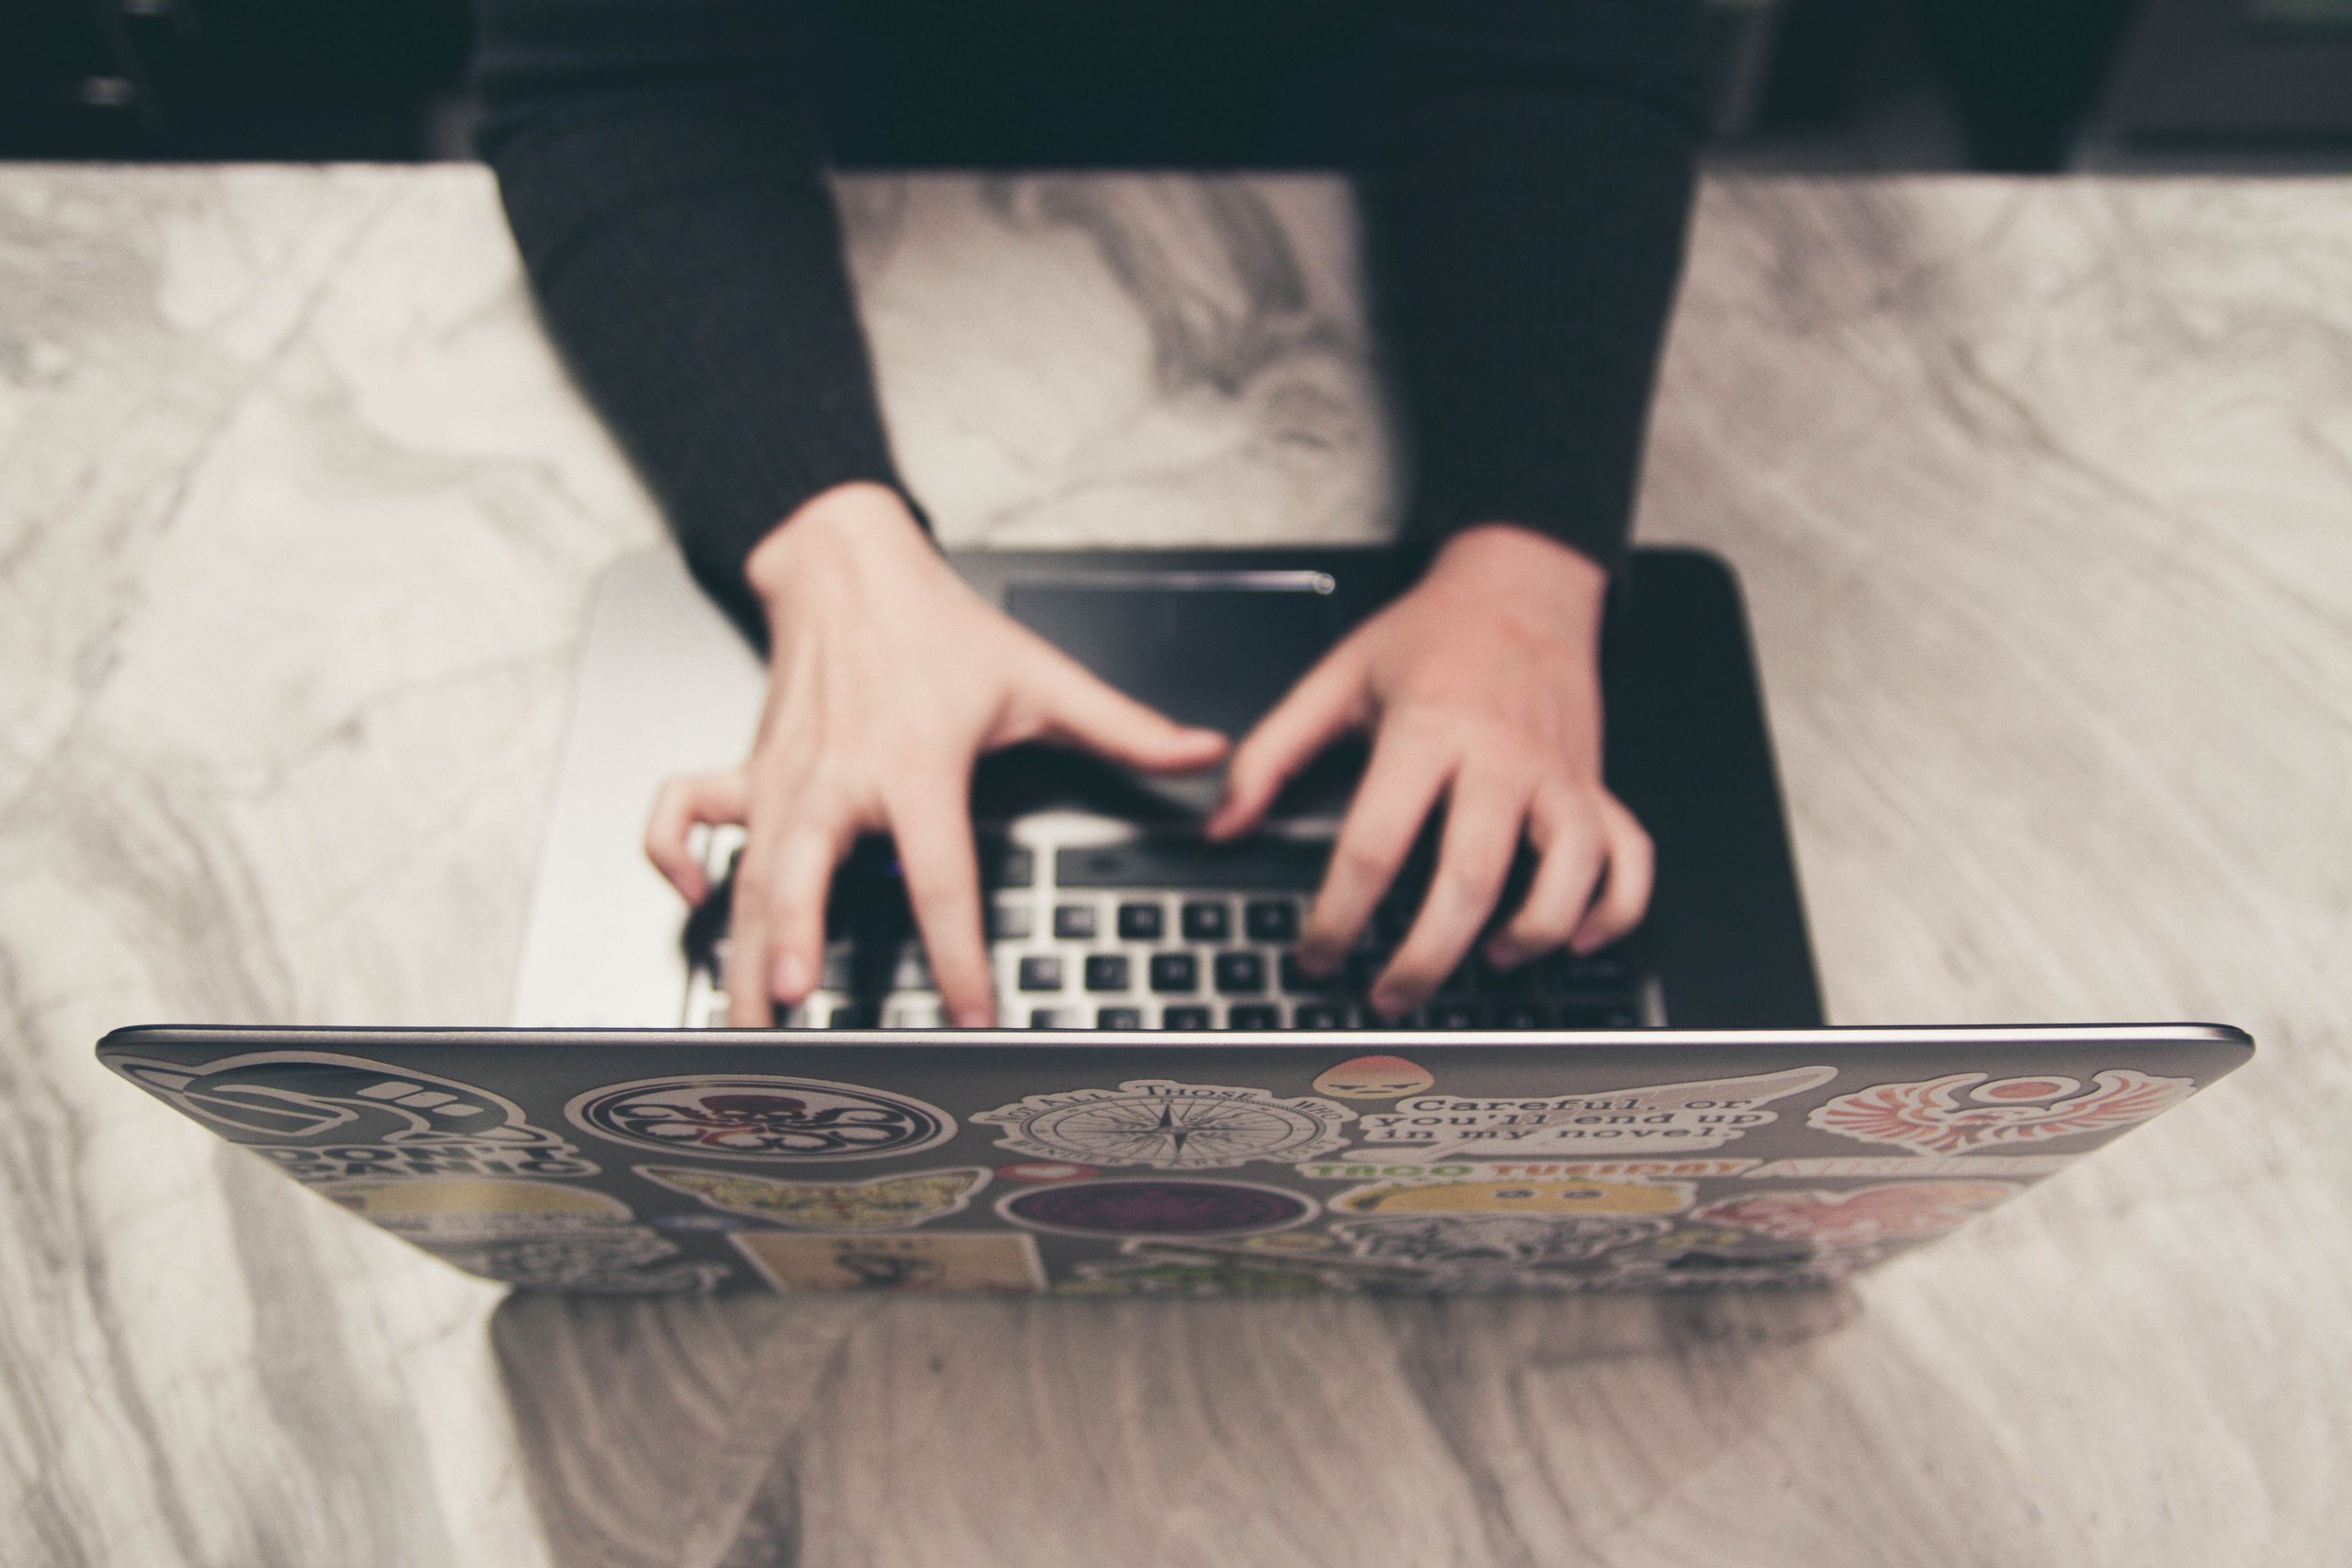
[[880, 1203], [1504, 1196]]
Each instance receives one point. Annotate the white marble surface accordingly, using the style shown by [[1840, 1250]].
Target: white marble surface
[[2043, 494]]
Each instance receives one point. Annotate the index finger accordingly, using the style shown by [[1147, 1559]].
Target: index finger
[[932, 823]]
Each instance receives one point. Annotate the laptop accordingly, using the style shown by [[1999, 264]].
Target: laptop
[[1173, 1107]]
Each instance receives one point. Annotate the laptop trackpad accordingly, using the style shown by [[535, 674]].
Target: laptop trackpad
[[1216, 648]]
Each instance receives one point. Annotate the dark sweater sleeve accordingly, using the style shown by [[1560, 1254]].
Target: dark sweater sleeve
[[1528, 209], [666, 192]]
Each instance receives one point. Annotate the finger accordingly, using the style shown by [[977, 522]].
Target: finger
[[1483, 818], [1326, 703], [1626, 889], [776, 933], [1081, 710], [1400, 784], [680, 806], [1571, 837], [932, 824]]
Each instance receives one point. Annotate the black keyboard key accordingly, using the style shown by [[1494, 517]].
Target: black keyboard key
[[1188, 1016], [1457, 985], [1053, 1017], [849, 1015], [1521, 1015], [1140, 922], [1270, 920], [1204, 922], [1175, 972], [1253, 1015], [1041, 972], [1445, 1014], [1362, 969], [1266, 864], [1107, 971], [1297, 982], [1319, 1015], [1239, 971], [1118, 1018], [1004, 865], [1392, 920], [1008, 922], [1598, 1018], [1073, 922]]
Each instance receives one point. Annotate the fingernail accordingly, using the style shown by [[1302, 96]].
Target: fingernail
[[791, 977], [1388, 1000], [1501, 955], [973, 1015]]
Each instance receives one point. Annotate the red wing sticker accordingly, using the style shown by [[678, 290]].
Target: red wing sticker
[[1966, 1110], [1900, 1211]]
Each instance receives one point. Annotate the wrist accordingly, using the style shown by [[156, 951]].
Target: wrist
[[1529, 575], [833, 532]]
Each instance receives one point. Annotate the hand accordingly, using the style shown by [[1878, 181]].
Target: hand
[[888, 678], [1482, 684]]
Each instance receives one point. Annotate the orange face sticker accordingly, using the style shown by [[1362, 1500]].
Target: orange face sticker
[[1374, 1078]]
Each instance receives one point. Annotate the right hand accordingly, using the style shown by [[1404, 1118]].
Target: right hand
[[888, 678]]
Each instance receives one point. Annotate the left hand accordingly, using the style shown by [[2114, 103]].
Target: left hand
[[1481, 685]]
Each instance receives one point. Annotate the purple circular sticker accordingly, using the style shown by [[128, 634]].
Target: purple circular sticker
[[1147, 1207]]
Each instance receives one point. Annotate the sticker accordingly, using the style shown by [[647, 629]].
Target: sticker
[[609, 1262], [1347, 1167], [1697, 1256], [385, 1122], [1511, 1197], [1202, 1276], [759, 1117], [1965, 1110], [1900, 1211], [1000, 1261], [696, 1225], [1374, 1078], [1046, 1170], [1914, 1164], [1706, 1114], [437, 1209], [1143, 1206], [1517, 1240], [879, 1203], [1168, 1125], [1288, 1241]]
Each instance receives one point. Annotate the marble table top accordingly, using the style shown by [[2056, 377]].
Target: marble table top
[[2042, 497]]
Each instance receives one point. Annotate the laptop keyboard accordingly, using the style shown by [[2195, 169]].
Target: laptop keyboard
[[1155, 933]]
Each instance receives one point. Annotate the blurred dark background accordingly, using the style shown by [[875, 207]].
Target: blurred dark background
[[1994, 85]]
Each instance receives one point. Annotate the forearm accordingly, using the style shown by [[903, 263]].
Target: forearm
[[669, 203], [1528, 213]]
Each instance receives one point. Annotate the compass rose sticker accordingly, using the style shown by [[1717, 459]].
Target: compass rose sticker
[[1170, 1125]]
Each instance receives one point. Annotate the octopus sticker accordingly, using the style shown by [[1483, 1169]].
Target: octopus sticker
[[1551, 1198], [881, 1203], [1168, 1125], [1144, 1208], [1869, 1216], [1966, 1111], [760, 1118], [1374, 1078]]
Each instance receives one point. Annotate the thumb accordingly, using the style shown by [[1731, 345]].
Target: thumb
[[1078, 710]]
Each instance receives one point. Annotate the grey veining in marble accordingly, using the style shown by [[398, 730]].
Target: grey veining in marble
[[2042, 495]]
